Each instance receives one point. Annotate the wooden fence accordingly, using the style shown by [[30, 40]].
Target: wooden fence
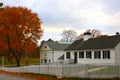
[[73, 70]]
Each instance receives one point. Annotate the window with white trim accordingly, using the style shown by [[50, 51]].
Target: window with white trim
[[97, 54], [88, 54], [67, 55], [106, 54], [81, 54]]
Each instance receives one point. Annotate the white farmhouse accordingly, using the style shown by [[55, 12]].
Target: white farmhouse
[[101, 50], [52, 51]]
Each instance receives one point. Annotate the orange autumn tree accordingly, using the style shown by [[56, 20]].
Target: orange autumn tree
[[20, 30]]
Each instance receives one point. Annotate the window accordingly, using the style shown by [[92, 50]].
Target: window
[[97, 54], [81, 54], [106, 54], [68, 55], [88, 54]]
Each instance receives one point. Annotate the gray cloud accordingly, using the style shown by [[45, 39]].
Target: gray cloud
[[12, 2], [111, 7], [111, 30], [78, 14]]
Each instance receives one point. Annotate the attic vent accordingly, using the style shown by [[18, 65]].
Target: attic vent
[[45, 46]]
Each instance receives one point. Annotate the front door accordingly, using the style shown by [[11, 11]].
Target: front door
[[75, 57]]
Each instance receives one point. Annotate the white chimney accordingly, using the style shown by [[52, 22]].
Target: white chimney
[[117, 33], [87, 35]]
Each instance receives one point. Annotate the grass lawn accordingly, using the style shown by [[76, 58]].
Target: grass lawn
[[92, 67], [41, 75], [89, 79], [12, 63], [67, 78], [110, 70]]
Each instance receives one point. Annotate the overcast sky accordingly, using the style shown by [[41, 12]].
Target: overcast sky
[[78, 15]]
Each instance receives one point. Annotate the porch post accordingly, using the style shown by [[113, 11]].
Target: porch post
[[53, 56]]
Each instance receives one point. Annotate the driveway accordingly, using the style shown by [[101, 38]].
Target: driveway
[[12, 77]]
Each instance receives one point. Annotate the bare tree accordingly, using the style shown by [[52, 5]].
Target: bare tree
[[95, 33], [80, 37], [69, 35]]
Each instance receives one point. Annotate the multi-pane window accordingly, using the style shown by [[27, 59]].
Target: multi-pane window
[[88, 54], [81, 54], [68, 55], [97, 54], [106, 54]]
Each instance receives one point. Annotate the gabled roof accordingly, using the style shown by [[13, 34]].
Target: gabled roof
[[56, 45], [95, 43]]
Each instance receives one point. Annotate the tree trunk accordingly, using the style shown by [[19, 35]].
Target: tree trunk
[[17, 57], [18, 62]]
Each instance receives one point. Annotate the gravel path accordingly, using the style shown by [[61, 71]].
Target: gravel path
[[12, 77]]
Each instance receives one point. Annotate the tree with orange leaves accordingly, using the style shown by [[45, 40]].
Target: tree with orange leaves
[[20, 30]]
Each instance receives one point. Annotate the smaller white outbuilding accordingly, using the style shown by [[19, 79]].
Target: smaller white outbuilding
[[52, 51]]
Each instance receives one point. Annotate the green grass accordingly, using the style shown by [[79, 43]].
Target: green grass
[[68, 78], [110, 70], [92, 67], [12, 63], [42, 75]]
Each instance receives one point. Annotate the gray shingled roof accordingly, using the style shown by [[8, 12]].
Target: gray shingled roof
[[95, 43], [55, 45]]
